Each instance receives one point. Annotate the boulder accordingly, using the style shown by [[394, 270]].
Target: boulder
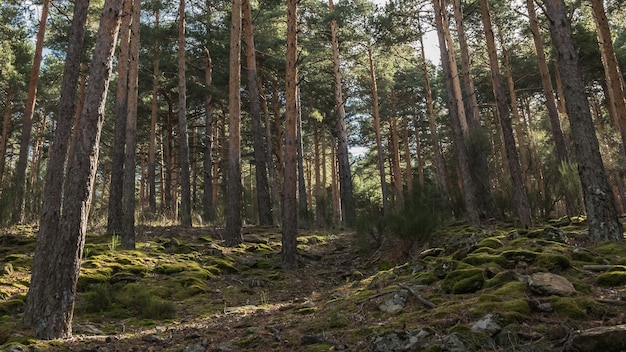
[[488, 324], [605, 339], [397, 341], [550, 284], [394, 304]]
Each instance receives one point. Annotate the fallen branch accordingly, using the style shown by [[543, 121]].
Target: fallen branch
[[424, 301], [617, 302], [599, 267]]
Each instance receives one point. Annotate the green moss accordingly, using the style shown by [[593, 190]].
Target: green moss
[[611, 279], [11, 306], [463, 281], [520, 255], [490, 242], [509, 310], [225, 264], [553, 262], [484, 258], [93, 276], [501, 278], [513, 289], [577, 308]]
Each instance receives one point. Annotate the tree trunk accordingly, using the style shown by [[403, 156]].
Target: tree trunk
[[477, 151], [116, 190], [546, 82], [233, 210], [27, 126], [519, 193], [459, 139], [290, 216], [394, 151], [183, 141], [611, 67], [6, 123], [379, 142], [602, 216], [407, 155], [128, 199], [154, 116], [345, 178], [440, 173], [264, 202], [56, 266], [319, 188], [207, 198], [519, 123], [303, 209]]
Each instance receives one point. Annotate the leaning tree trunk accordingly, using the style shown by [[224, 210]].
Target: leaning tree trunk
[[27, 126], [264, 201], [128, 199], [546, 82], [602, 217], [233, 209], [116, 189], [57, 155], [56, 266], [440, 173], [520, 197], [303, 209], [183, 141], [290, 214], [453, 108]]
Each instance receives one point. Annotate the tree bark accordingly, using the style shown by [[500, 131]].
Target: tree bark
[[154, 116], [379, 142], [27, 125], [207, 198], [55, 271], [183, 139], [477, 151], [394, 151], [303, 208], [345, 178], [6, 123], [602, 217], [440, 172], [459, 139], [233, 210], [116, 189], [546, 82], [520, 197], [407, 155], [290, 216], [130, 163], [264, 202]]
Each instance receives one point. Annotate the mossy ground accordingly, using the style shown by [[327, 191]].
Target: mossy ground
[[185, 288]]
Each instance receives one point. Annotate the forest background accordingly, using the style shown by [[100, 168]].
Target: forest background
[[492, 131]]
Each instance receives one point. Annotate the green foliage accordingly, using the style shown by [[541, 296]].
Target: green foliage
[[463, 281], [424, 212], [569, 183], [146, 303]]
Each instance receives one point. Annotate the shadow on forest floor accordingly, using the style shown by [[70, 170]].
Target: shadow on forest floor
[[181, 290]]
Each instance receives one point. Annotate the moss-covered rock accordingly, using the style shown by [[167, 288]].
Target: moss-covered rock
[[477, 258], [577, 308], [502, 278], [553, 262], [612, 279], [463, 281], [490, 242]]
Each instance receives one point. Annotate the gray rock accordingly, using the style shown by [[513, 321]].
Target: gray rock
[[454, 343], [550, 284], [14, 348], [394, 304], [553, 234], [194, 348], [399, 341], [488, 324], [605, 339], [87, 329], [152, 338]]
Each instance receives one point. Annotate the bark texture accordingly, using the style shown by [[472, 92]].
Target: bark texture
[[56, 267], [183, 139], [290, 214], [233, 209], [602, 217]]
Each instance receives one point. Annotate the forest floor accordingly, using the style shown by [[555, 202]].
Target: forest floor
[[181, 290]]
